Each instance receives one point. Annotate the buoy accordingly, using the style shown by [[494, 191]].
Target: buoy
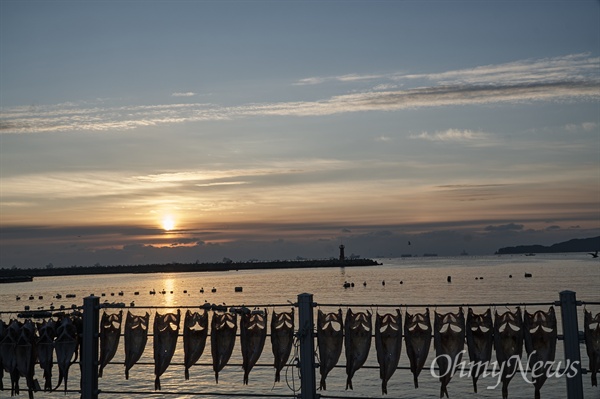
[[365, 284], [401, 282], [510, 276], [383, 282], [449, 279], [528, 275], [238, 289]]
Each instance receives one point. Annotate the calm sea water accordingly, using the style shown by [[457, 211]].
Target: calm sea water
[[475, 280]]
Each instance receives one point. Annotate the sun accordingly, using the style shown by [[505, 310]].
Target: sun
[[168, 223]]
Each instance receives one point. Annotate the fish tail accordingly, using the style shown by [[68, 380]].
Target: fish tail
[[416, 380], [187, 373], [444, 391], [157, 384], [349, 383], [60, 379], [277, 375], [383, 387], [322, 385], [245, 377]]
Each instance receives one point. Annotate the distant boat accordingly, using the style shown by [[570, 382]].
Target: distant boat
[[530, 254], [430, 254], [464, 253]]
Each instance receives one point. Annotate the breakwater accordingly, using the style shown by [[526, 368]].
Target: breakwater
[[187, 267]]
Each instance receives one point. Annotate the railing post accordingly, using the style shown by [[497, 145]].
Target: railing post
[[568, 310], [89, 348], [308, 386]]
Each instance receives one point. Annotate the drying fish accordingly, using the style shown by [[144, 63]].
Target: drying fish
[[358, 328], [388, 343], [591, 332], [166, 331], [540, 333], [26, 356], [110, 333], [195, 331], [136, 336], [508, 342], [45, 350], [449, 341], [7, 352], [222, 340], [3, 331], [253, 335], [330, 339], [417, 336], [66, 344], [480, 340], [282, 338]]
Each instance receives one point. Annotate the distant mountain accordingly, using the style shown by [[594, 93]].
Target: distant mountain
[[575, 245]]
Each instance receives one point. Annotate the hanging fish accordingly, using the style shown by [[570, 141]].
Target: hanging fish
[[222, 340], [136, 336], [8, 347], [195, 331], [388, 343], [508, 342], [45, 349], [110, 333], [3, 331], [480, 340], [66, 344], [449, 342], [540, 334], [417, 336], [330, 339], [282, 339], [166, 331], [252, 335], [358, 329], [591, 332], [26, 356]]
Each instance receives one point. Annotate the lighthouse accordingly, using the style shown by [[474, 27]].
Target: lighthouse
[[342, 257]]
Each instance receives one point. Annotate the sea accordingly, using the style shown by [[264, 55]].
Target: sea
[[410, 284]]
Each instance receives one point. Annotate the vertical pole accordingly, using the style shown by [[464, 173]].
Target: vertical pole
[[568, 309], [89, 348], [308, 386]]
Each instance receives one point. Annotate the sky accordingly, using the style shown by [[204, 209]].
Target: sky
[[139, 132]]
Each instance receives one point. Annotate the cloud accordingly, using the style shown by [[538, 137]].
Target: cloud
[[570, 67], [570, 78], [505, 227], [585, 126], [184, 94], [451, 135]]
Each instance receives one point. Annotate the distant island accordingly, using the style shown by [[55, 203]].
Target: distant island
[[9, 275], [575, 245]]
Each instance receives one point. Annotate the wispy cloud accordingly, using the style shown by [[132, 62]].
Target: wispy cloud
[[184, 94], [452, 135], [566, 79], [569, 67]]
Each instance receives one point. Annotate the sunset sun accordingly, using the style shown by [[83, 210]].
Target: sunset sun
[[168, 223]]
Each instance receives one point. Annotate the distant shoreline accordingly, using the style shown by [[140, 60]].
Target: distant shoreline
[[575, 245], [184, 267]]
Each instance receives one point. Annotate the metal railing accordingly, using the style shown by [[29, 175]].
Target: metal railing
[[306, 362]]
